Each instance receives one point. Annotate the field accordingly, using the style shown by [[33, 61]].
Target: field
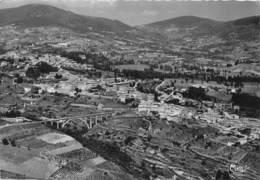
[[252, 88], [55, 138], [35, 167], [139, 67], [26, 156], [16, 155], [23, 161], [68, 148]]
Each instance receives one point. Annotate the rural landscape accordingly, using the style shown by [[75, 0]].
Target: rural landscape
[[91, 98]]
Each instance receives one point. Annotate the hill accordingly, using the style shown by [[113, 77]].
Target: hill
[[35, 15], [243, 29], [184, 22], [191, 26]]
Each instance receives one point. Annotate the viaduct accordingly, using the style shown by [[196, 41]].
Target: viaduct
[[89, 121]]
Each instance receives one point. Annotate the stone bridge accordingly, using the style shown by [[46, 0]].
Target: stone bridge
[[87, 121]]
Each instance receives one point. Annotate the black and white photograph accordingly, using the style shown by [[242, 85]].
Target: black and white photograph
[[129, 90]]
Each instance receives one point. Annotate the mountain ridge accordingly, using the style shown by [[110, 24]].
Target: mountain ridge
[[31, 15], [181, 20], [237, 21], [243, 28]]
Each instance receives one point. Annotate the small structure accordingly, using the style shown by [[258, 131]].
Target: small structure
[[100, 107]]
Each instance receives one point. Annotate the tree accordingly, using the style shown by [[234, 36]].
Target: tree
[[196, 93], [77, 91], [13, 142], [58, 76], [5, 141], [32, 73], [18, 80], [226, 176], [161, 67], [156, 95]]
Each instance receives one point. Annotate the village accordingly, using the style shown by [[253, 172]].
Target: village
[[104, 106]]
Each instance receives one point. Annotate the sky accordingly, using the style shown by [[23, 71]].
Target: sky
[[138, 12]]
